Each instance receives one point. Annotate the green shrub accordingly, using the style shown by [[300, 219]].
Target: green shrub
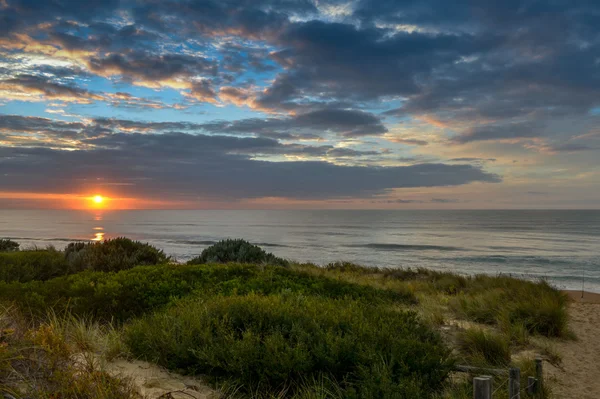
[[7, 245], [263, 343], [132, 292], [240, 251], [489, 347], [112, 255], [24, 266]]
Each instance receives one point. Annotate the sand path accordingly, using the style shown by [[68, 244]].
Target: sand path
[[580, 374], [154, 382]]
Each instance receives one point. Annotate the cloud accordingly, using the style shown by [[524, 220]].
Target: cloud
[[154, 70], [164, 166], [187, 165], [37, 88], [461, 82], [445, 200], [512, 131]]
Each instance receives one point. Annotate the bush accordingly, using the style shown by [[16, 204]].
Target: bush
[[24, 266], [132, 292], [7, 245], [265, 343], [488, 347], [112, 255], [240, 251]]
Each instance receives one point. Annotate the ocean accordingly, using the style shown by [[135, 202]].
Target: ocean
[[561, 246]]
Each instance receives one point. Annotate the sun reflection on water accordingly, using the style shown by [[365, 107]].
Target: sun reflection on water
[[98, 236], [99, 230]]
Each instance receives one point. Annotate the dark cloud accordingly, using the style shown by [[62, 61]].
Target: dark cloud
[[21, 14], [341, 61], [445, 200], [254, 19], [348, 123], [501, 132], [25, 85], [203, 91], [168, 165], [178, 164], [152, 68]]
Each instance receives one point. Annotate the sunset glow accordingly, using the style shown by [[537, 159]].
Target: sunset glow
[[297, 104]]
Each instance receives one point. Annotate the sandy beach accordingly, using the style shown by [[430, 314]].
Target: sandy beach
[[579, 374]]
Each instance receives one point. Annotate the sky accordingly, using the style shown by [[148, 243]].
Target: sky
[[391, 104]]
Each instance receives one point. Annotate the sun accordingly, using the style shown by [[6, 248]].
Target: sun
[[98, 199]]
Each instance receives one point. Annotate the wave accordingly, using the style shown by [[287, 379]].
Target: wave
[[63, 239], [212, 242], [407, 247], [193, 242], [268, 244], [523, 260]]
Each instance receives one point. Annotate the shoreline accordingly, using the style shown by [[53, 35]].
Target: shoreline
[[588, 297]]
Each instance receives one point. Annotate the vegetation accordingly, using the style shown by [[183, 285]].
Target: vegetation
[[264, 329], [7, 245], [239, 251], [44, 264], [54, 359], [129, 293], [485, 347], [263, 343], [23, 266], [112, 255], [537, 307]]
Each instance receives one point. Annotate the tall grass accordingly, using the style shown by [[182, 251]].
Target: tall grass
[[54, 359], [273, 343], [538, 307], [484, 347]]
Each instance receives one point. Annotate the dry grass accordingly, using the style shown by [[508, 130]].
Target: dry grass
[[55, 358]]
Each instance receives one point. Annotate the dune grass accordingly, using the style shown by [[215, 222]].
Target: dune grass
[[484, 347], [537, 307], [54, 358]]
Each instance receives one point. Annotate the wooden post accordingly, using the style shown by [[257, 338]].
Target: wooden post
[[514, 383], [531, 386], [539, 375], [482, 387]]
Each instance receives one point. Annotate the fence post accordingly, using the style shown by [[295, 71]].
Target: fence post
[[539, 375], [482, 387], [532, 385], [514, 383]]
